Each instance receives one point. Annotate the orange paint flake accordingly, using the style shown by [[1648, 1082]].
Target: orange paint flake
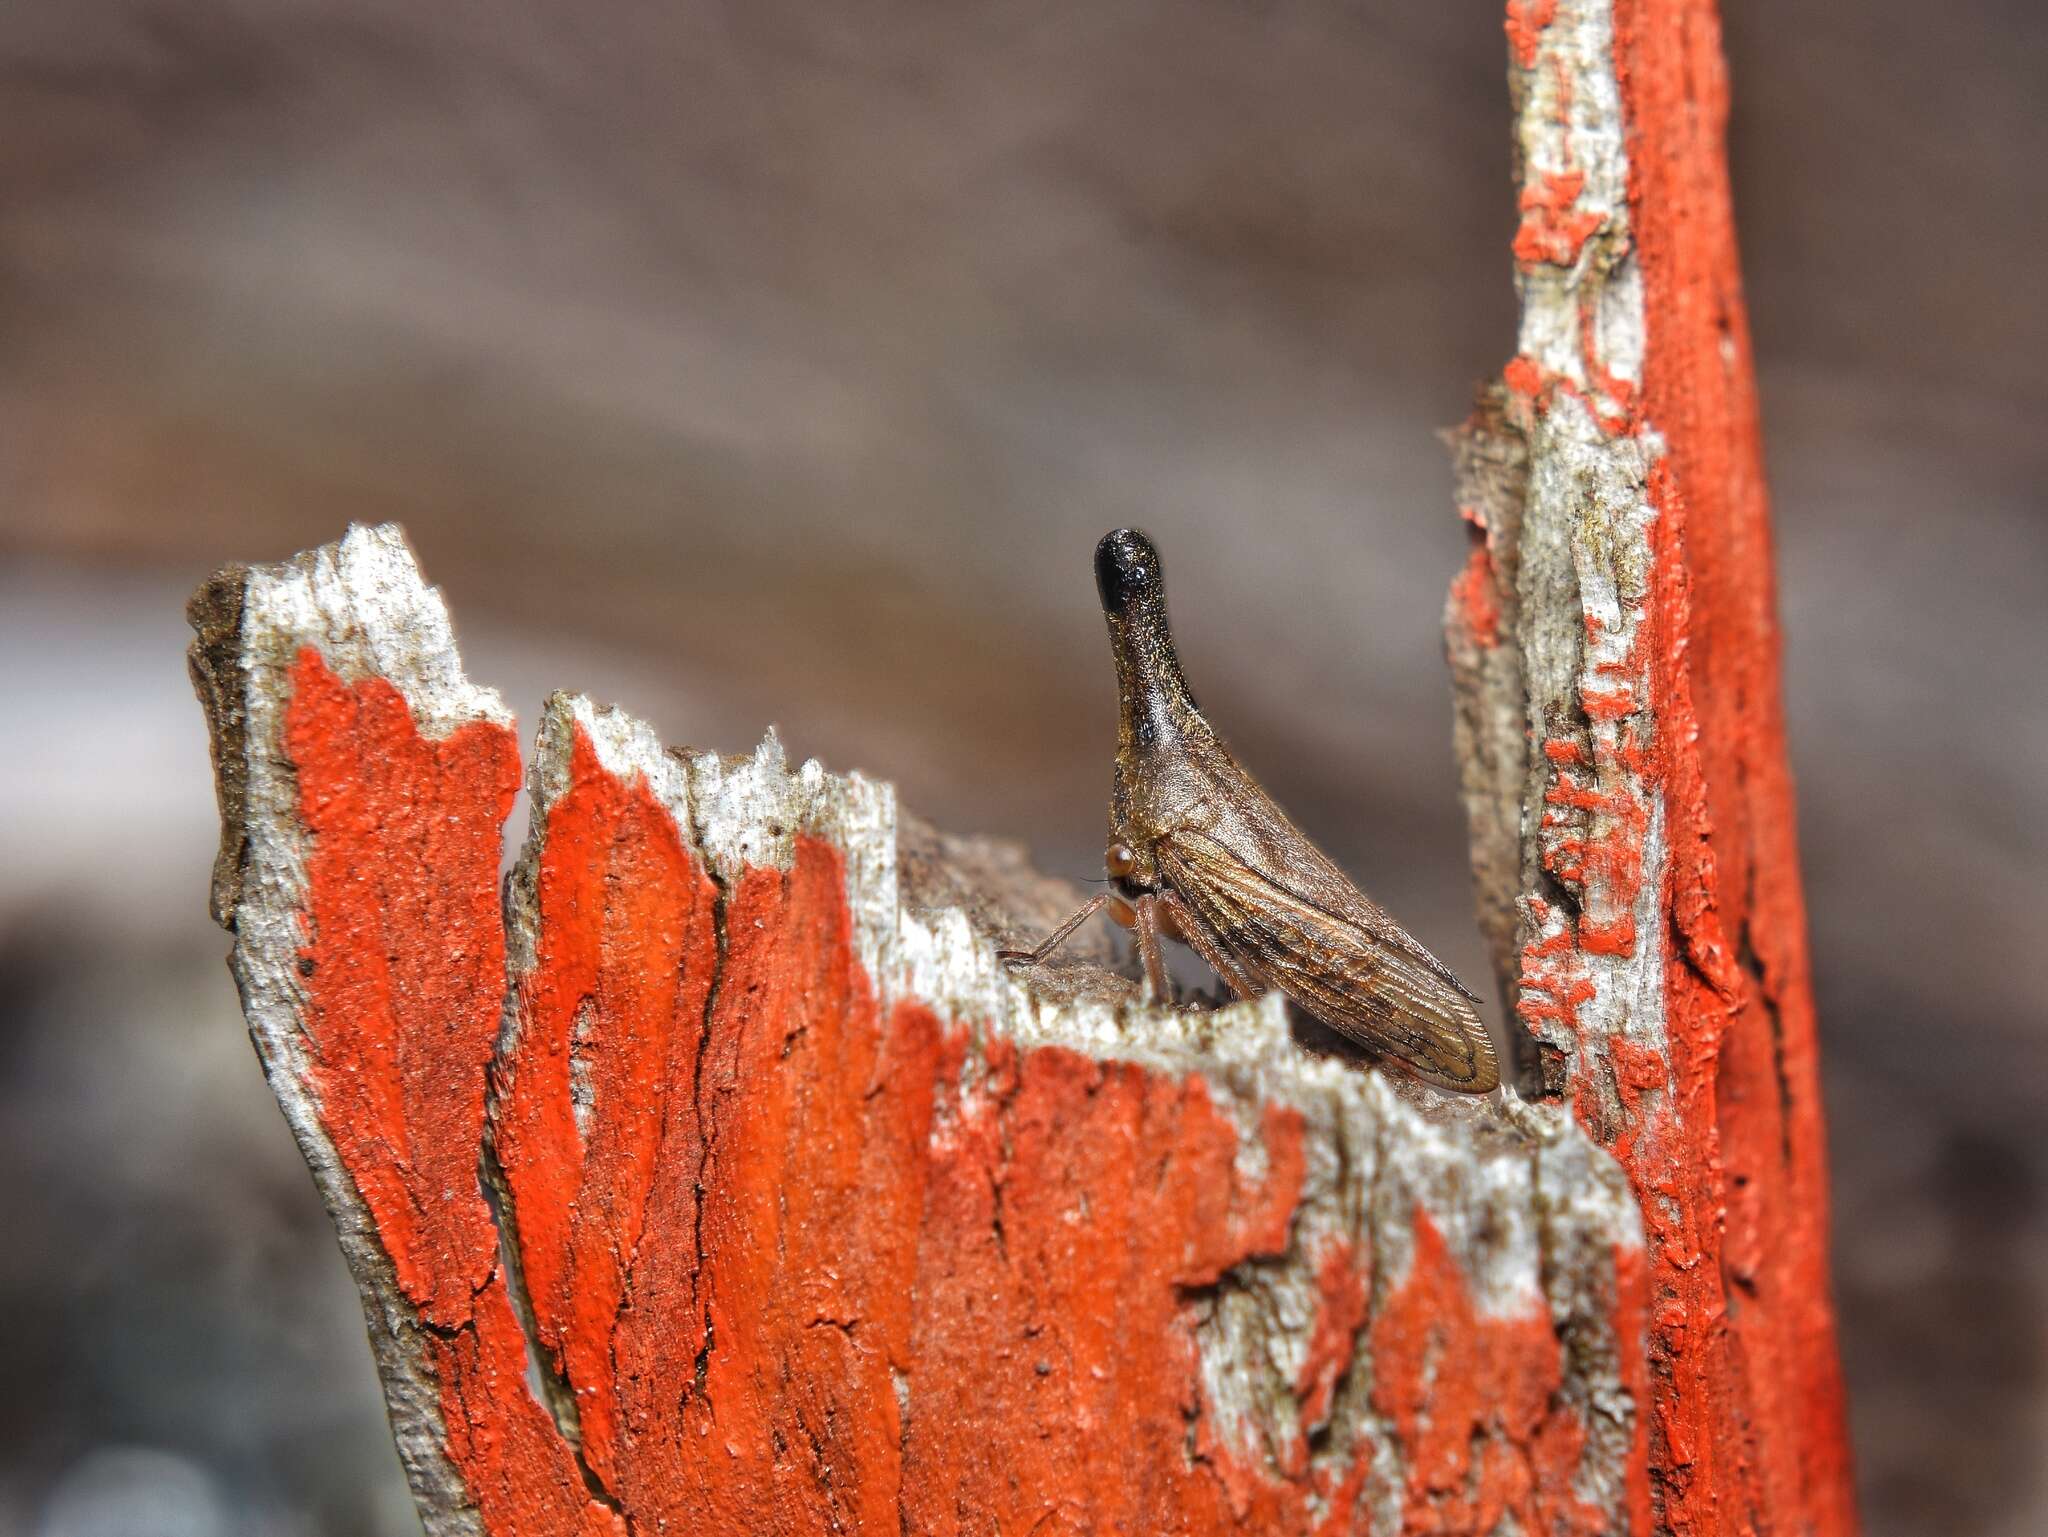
[[1524, 376], [1615, 388], [1472, 1400], [1476, 592], [1614, 937], [1550, 230], [1525, 24], [1601, 704], [1554, 983], [1342, 1297]]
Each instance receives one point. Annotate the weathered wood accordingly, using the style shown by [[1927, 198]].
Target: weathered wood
[[804, 1214], [718, 1177], [1614, 644]]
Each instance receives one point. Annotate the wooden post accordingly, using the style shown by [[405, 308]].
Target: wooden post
[[1621, 736], [715, 1177]]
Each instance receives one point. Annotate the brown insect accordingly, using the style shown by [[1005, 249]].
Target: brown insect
[[1200, 853]]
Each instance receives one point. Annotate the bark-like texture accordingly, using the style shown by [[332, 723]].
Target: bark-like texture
[[1615, 648], [728, 1131]]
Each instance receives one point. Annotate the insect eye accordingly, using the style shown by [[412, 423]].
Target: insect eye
[[1120, 860]]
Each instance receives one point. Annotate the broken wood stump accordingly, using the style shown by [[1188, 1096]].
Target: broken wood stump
[[720, 1179]]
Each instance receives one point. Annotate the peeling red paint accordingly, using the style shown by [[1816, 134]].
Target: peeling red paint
[[737, 1235], [1529, 380], [1615, 936], [1631, 1329], [1555, 985], [1072, 1207], [1342, 1294], [400, 1036], [1720, 1127], [1551, 231], [1444, 1373], [1524, 377], [401, 976], [1475, 590], [519, 1472], [612, 1012], [1622, 392], [1526, 21], [783, 1204], [1608, 703], [1749, 1164]]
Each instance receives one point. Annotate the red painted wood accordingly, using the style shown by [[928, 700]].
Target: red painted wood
[[402, 979], [756, 1213], [1741, 1009], [1749, 1430], [782, 1206], [1442, 1372], [1476, 588], [617, 998]]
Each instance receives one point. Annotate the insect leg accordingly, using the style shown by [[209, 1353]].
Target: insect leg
[[1057, 937], [1149, 950], [1199, 940]]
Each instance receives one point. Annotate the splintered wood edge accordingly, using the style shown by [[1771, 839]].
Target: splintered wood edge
[[362, 603], [1620, 735], [1533, 1212], [1546, 626]]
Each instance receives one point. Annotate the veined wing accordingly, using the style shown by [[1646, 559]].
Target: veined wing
[[1397, 1001]]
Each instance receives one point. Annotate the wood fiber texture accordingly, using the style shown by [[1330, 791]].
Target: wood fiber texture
[[1615, 645], [713, 1176]]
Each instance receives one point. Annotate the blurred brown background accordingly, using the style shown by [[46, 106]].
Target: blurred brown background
[[775, 361]]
